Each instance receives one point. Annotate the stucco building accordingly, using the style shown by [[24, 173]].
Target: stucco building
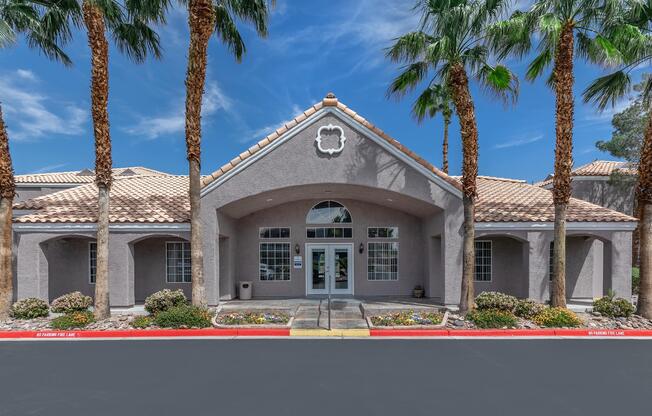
[[326, 202]]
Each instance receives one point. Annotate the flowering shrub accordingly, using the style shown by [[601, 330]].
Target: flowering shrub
[[613, 307], [407, 318], [186, 316], [141, 322], [71, 302], [164, 300], [528, 309], [492, 318], [496, 301], [253, 318], [557, 318], [30, 308], [76, 319]]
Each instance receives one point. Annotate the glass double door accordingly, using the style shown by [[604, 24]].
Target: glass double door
[[329, 265]]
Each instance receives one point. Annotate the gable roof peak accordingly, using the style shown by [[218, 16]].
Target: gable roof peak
[[330, 100]]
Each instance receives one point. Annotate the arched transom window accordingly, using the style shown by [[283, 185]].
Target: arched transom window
[[329, 212]]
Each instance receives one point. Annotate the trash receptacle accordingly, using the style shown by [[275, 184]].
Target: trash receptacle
[[245, 290]]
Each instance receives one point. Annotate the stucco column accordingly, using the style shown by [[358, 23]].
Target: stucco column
[[620, 251], [452, 240], [121, 270], [31, 266], [211, 254], [538, 264]]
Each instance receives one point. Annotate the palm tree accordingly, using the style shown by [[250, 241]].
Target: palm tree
[[433, 100], [449, 45], [18, 17], [127, 23], [563, 29], [632, 40], [206, 17]]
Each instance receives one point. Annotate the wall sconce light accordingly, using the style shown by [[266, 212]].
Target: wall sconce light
[[297, 249], [361, 248]]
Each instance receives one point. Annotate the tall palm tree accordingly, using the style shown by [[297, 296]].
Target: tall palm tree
[[18, 17], [449, 46], [564, 30], [206, 17], [435, 99], [632, 39], [127, 23]]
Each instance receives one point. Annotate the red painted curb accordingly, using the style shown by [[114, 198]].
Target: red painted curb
[[153, 333], [588, 333]]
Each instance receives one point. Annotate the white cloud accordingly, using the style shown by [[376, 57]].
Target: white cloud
[[518, 142], [370, 27], [214, 100], [50, 168], [26, 74], [262, 132], [31, 114]]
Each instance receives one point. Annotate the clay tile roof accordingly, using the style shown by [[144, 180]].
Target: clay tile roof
[[81, 176], [164, 199], [507, 200], [134, 199], [329, 101], [597, 168]]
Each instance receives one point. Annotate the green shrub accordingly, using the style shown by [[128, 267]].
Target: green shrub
[[141, 322], [496, 301], [492, 318], [184, 316], [77, 319], [71, 302], [636, 279], [30, 308], [613, 307], [528, 309], [164, 299], [557, 318]]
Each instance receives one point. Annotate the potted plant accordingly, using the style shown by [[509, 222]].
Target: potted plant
[[417, 292]]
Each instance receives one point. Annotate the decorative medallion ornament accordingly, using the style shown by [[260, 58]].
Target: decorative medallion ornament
[[330, 128]]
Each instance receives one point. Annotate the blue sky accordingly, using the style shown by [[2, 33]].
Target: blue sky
[[313, 48]]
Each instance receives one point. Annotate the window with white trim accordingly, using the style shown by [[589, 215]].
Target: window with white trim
[[382, 232], [274, 232], [329, 232], [92, 262], [274, 261], [178, 268], [328, 212], [382, 261], [482, 261]]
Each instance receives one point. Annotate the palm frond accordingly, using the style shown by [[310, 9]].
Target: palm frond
[[409, 47], [254, 12], [608, 89], [538, 65], [500, 82], [227, 31], [136, 40], [408, 80]]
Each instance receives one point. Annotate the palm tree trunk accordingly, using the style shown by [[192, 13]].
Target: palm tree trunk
[[94, 21], [200, 19], [7, 193], [644, 200], [469, 130], [563, 77], [447, 121]]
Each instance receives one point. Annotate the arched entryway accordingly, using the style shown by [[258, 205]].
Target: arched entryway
[[71, 265]]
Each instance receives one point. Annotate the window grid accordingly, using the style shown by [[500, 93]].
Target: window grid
[[178, 266], [274, 261], [328, 212], [382, 261], [382, 232], [482, 261], [274, 232], [92, 262], [329, 232]]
